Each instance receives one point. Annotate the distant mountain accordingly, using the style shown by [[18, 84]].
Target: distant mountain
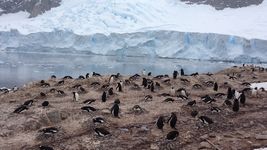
[[34, 7], [222, 4]]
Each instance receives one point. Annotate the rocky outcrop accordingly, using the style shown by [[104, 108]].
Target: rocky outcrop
[[34, 7]]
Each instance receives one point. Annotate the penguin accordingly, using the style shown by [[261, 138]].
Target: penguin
[[175, 74], [215, 86], [237, 95], [98, 120], [111, 79], [101, 132], [172, 91], [172, 135], [160, 122], [88, 108], [236, 105], [89, 101], [67, 77], [115, 110], [229, 93], [42, 94], [149, 74], [96, 74], [215, 109], [144, 82], [81, 77], [191, 103], [45, 103], [87, 75], [49, 130], [182, 72], [194, 113], [75, 96], [144, 72], [206, 120], [152, 87], [53, 77], [169, 100], [148, 98], [28, 103], [172, 120], [15, 88], [208, 99], [45, 148], [183, 92], [242, 98], [104, 97], [60, 82], [119, 87], [117, 101], [110, 91], [59, 92], [20, 109]]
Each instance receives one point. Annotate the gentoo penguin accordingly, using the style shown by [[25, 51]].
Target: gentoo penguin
[[111, 79], [152, 87], [207, 99], [215, 86], [110, 91], [117, 101], [81, 77], [160, 122], [119, 87], [28, 103], [53, 77], [169, 100], [148, 98], [88, 108], [205, 120], [237, 94], [172, 91], [115, 110], [242, 98], [104, 97], [215, 109], [144, 82], [194, 113], [229, 93], [143, 72], [75, 96], [96, 74], [20, 109], [191, 103], [98, 120], [172, 135], [149, 74], [101, 132], [45, 148], [182, 72], [236, 105], [50, 130], [172, 120], [45, 103], [87, 75], [89, 101], [175, 74]]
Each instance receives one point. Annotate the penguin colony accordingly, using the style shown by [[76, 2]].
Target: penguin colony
[[173, 109]]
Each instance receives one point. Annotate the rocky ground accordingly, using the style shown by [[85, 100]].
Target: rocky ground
[[135, 129]]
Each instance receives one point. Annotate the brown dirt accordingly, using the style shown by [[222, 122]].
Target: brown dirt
[[133, 130]]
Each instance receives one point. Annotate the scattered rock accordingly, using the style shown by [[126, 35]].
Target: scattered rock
[[154, 147], [204, 145], [261, 137]]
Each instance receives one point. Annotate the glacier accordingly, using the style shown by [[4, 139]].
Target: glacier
[[168, 44]]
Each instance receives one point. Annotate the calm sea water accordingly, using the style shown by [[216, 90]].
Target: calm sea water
[[17, 69]]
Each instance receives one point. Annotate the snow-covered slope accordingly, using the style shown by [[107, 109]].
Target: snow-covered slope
[[86, 17], [170, 44]]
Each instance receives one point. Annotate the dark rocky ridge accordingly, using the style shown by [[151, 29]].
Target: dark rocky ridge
[[34, 7], [222, 4]]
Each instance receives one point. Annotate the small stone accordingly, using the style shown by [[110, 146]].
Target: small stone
[[204, 145], [205, 136], [154, 146], [261, 137]]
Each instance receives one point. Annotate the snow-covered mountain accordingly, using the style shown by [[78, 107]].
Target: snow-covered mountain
[[167, 28]]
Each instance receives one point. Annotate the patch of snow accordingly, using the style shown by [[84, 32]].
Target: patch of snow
[[259, 85], [87, 17]]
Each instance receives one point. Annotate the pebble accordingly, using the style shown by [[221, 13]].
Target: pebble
[[261, 137], [204, 145]]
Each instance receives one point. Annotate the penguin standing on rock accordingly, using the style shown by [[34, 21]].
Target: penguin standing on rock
[[160, 122], [242, 98], [236, 105], [182, 72], [75, 96], [119, 87], [144, 83], [172, 120], [152, 87], [104, 97], [206, 120], [215, 86], [115, 110], [175, 74]]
